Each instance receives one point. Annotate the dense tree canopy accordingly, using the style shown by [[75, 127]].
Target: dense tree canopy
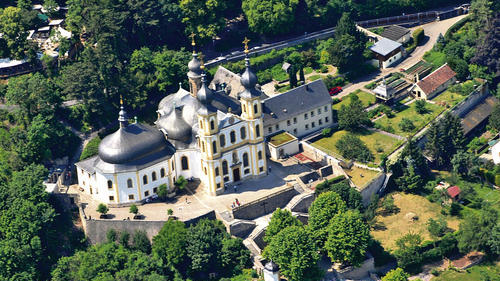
[[352, 147], [476, 229], [204, 18], [296, 254], [352, 116], [280, 220], [397, 274], [322, 210], [349, 194], [270, 17]]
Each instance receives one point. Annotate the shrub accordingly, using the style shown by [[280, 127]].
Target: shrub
[[455, 208], [418, 36], [111, 235], [406, 125], [497, 180], [435, 272], [323, 69], [133, 209], [351, 147], [326, 132], [91, 149], [420, 106], [102, 209], [124, 239]]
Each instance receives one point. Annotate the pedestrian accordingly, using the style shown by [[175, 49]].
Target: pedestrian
[[269, 169], [235, 188], [237, 202]]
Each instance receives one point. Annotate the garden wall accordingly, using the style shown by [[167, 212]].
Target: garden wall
[[372, 188], [472, 100]]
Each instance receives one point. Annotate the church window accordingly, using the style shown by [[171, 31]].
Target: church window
[[212, 125], [224, 168], [255, 108], [259, 154], [111, 198], [270, 130], [214, 146], [222, 140], [145, 179], [203, 146], [261, 169], [110, 184], [232, 136], [184, 163], [247, 171], [217, 171], [205, 169], [288, 123], [243, 133], [162, 172], [131, 197], [305, 116], [153, 176], [244, 108], [326, 119], [277, 127], [129, 183], [257, 131], [201, 124], [245, 159], [294, 120]]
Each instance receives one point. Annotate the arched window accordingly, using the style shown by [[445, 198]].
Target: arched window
[[212, 125], [243, 133], [201, 124], [162, 172], [257, 130], [245, 159], [232, 136], [214, 146], [244, 108], [129, 183], [255, 109], [110, 184], [203, 146], [216, 171], [222, 140], [153, 176], [205, 169], [145, 179], [224, 168], [259, 154], [184, 163]]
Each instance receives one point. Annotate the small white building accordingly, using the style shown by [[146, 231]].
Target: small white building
[[300, 111], [434, 83], [495, 153], [281, 145], [387, 52]]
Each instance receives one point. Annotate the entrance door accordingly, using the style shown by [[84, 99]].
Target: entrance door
[[236, 174]]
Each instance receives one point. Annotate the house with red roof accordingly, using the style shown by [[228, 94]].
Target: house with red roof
[[434, 83], [454, 192]]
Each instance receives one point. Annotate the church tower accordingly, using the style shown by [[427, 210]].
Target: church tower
[[194, 74], [251, 111], [207, 132]]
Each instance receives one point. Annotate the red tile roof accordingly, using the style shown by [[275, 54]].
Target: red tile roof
[[437, 78], [453, 191]]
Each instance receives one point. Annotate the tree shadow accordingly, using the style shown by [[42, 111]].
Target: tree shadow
[[379, 226]]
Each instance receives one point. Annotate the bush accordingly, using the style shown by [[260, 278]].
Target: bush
[[406, 125], [326, 132], [102, 209], [124, 239], [435, 272], [323, 69], [133, 209], [418, 36], [351, 147], [455, 208], [111, 235], [91, 149], [332, 82]]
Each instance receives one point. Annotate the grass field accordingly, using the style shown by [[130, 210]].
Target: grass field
[[393, 226], [449, 98], [280, 138], [377, 143], [367, 99], [474, 273], [360, 177], [435, 58], [419, 120]]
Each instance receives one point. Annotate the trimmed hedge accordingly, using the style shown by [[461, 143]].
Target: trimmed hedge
[[418, 36], [91, 149], [455, 27]]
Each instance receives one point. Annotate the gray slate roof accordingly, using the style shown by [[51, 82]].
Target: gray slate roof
[[296, 101], [384, 46], [395, 32]]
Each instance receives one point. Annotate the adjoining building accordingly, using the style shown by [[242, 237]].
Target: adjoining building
[[397, 33], [434, 83], [384, 91], [417, 71], [387, 52], [300, 111], [200, 133]]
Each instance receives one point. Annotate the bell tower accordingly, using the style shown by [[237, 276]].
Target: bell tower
[[194, 66]]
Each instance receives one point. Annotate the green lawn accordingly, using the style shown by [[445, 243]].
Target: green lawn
[[449, 98], [378, 143], [419, 120], [367, 99], [360, 177], [435, 58], [279, 139], [474, 273]]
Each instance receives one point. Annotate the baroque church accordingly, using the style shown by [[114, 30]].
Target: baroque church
[[201, 133]]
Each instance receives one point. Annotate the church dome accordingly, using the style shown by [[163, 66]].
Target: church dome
[[194, 66], [132, 142], [205, 95], [175, 126], [248, 79]]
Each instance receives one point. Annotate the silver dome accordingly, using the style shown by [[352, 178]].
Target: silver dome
[[130, 143], [175, 126], [194, 67], [249, 81]]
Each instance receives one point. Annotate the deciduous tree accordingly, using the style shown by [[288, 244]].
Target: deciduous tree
[[322, 210], [270, 17], [280, 220]]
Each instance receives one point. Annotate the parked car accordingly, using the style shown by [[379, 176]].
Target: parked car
[[335, 90]]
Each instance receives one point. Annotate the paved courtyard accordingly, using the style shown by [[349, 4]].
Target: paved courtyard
[[189, 204]]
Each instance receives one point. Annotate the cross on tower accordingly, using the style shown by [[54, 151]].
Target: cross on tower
[[201, 56], [192, 35], [245, 43]]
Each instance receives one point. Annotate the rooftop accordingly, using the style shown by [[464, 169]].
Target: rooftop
[[478, 114], [453, 191], [395, 32], [301, 99], [437, 78], [281, 138], [384, 46]]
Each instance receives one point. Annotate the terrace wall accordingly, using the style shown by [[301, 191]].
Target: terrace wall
[[372, 188]]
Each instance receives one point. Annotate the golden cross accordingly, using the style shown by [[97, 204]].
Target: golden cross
[[192, 39], [121, 100], [201, 56], [245, 42]]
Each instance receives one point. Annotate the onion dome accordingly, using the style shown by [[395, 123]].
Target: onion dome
[[130, 143], [194, 67], [175, 126], [249, 81], [205, 95], [271, 266]]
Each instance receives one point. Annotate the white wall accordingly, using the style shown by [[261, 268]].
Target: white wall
[[298, 128], [392, 60], [290, 148], [495, 153]]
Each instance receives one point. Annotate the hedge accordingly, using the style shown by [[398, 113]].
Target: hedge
[[455, 27], [91, 149], [418, 36]]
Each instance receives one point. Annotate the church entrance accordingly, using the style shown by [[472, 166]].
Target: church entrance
[[236, 175]]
